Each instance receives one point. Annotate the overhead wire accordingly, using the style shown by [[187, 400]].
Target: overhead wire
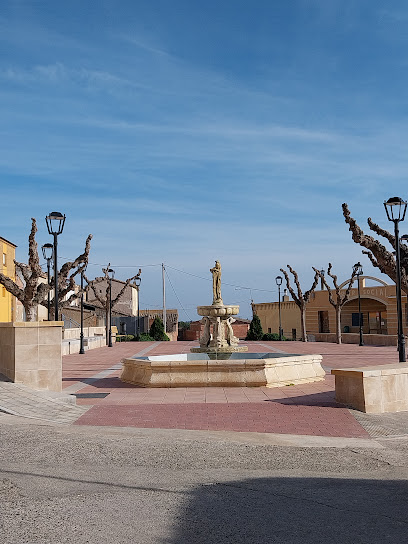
[[179, 301]]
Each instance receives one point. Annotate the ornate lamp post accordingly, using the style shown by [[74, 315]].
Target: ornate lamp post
[[358, 271], [47, 251], [396, 208], [279, 280], [111, 275], [138, 281], [321, 279], [81, 336], [55, 225]]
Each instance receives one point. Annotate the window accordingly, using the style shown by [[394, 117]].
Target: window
[[269, 330], [354, 320], [4, 259]]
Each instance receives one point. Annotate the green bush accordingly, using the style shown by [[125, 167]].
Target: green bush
[[157, 330], [184, 325], [125, 338], [255, 329], [144, 337], [272, 336]]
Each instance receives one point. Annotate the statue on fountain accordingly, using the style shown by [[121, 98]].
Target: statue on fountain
[[216, 274], [218, 335]]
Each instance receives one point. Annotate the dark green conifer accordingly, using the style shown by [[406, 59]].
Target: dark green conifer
[[255, 329], [157, 330]]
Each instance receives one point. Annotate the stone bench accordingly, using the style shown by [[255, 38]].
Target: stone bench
[[373, 389]]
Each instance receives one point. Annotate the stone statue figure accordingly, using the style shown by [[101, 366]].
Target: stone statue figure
[[206, 335], [231, 339], [216, 274]]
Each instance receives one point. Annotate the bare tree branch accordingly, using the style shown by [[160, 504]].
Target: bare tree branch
[[301, 299]]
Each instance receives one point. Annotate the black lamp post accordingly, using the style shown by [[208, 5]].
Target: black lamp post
[[396, 208], [111, 274], [358, 271], [47, 251], [81, 336], [55, 224], [138, 281], [279, 280]]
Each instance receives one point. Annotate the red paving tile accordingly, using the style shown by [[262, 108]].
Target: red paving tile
[[307, 409], [268, 417]]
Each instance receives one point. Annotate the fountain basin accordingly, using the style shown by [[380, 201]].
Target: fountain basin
[[218, 310], [240, 370]]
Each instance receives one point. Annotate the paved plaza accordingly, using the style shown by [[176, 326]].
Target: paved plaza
[[183, 466], [307, 409]]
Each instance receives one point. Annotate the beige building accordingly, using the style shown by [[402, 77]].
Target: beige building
[[378, 309], [268, 313], [127, 305]]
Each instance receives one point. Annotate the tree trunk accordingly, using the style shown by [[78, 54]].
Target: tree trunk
[[30, 312], [338, 324], [107, 324], [303, 323]]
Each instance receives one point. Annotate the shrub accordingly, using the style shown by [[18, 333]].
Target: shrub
[[144, 337], [272, 336], [255, 329], [157, 330], [184, 325]]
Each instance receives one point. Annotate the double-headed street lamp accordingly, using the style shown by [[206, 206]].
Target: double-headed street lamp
[[111, 275], [358, 271], [396, 208], [278, 281], [138, 281], [55, 224], [47, 251]]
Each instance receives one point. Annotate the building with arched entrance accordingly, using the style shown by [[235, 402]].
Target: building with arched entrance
[[378, 309]]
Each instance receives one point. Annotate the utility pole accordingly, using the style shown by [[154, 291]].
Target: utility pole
[[164, 297]]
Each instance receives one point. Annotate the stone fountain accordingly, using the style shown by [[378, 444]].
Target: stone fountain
[[218, 361], [221, 342]]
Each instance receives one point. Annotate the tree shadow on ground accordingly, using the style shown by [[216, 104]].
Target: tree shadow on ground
[[316, 399], [294, 511]]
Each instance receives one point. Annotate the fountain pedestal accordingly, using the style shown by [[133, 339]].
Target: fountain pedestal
[[218, 335]]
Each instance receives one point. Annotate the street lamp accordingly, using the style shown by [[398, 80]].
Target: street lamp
[[55, 225], [47, 251], [111, 275], [322, 279], [358, 271], [278, 281], [81, 336], [138, 281], [396, 208]]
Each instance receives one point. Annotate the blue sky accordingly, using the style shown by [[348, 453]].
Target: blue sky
[[184, 132]]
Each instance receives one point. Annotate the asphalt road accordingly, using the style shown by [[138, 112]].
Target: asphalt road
[[61, 484]]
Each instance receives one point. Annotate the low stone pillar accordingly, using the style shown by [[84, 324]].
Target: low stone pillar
[[31, 353], [373, 389]]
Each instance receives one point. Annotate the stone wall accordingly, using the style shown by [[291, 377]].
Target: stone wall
[[354, 338], [30, 353]]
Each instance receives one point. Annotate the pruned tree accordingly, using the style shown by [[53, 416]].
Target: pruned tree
[[342, 295], [301, 299], [105, 299], [378, 254], [34, 291], [66, 277]]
